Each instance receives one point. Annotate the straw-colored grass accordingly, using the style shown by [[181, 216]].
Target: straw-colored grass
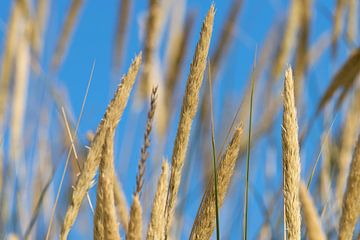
[[302, 51], [144, 150], [135, 222], [121, 204], [350, 131], [311, 217], [8, 56], [344, 79], [47, 167], [188, 111], [289, 37], [122, 26], [338, 21], [105, 218], [156, 227], [351, 202], [66, 32], [175, 62], [111, 119], [291, 160], [204, 223], [151, 42], [353, 21]]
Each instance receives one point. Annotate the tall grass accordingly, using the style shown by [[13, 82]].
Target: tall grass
[[50, 159]]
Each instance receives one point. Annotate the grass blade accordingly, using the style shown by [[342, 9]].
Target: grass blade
[[214, 157], [248, 156]]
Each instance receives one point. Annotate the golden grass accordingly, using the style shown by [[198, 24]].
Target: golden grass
[[311, 217], [302, 47], [32, 145], [175, 62], [40, 24], [291, 159], [109, 122], [122, 26], [348, 139], [156, 227], [289, 38], [338, 21], [344, 78], [7, 60], [351, 202], [135, 222], [105, 218], [146, 144], [188, 111], [353, 21], [151, 42], [66, 32], [121, 204], [224, 41], [204, 223]]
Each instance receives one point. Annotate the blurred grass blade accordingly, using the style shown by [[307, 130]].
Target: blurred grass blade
[[214, 157], [248, 154]]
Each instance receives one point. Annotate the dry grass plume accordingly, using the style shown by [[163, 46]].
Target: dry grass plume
[[188, 111], [109, 122], [291, 160], [156, 226], [204, 223], [311, 217], [135, 222], [351, 202]]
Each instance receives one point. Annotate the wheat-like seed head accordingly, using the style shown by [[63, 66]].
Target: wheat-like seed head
[[204, 223], [109, 122], [311, 217], [351, 202], [188, 111], [156, 225], [291, 159], [135, 222]]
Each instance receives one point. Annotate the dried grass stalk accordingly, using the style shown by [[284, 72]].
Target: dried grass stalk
[[151, 41], [338, 23], [146, 145], [66, 32], [9, 52], [225, 37], [18, 113], [353, 25], [350, 131], [20, 92], [188, 111], [176, 57], [351, 202], [311, 217], [99, 214], [40, 23], [121, 204], [204, 223], [156, 226], [135, 222], [289, 37], [111, 119], [291, 160], [325, 180], [122, 26], [344, 78], [303, 47], [106, 186]]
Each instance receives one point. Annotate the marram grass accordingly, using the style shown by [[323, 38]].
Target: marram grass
[[41, 194]]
